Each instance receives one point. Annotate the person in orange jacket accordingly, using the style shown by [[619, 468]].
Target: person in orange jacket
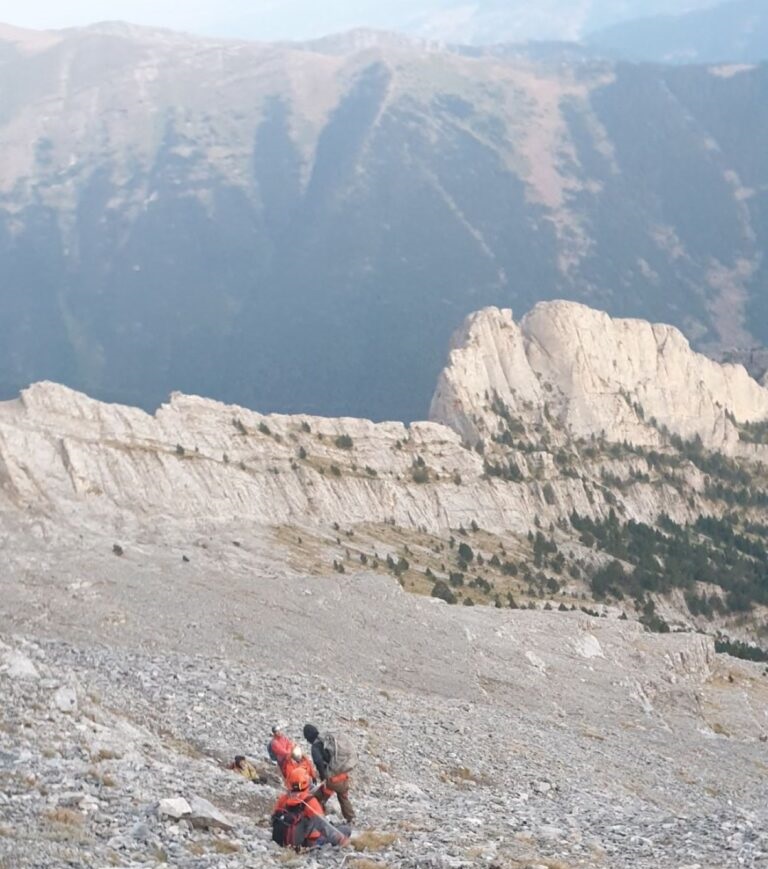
[[298, 760], [298, 820], [280, 746]]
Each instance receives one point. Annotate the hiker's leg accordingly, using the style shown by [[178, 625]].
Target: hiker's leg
[[342, 792], [301, 832], [328, 833], [323, 795]]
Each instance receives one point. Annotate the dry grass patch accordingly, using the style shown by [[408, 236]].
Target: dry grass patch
[[181, 746], [225, 846], [363, 863], [105, 754], [105, 779], [462, 776], [289, 858], [370, 840], [590, 734], [532, 863], [719, 729], [64, 817]]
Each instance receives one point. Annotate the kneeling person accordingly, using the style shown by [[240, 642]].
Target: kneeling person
[[298, 760], [298, 820]]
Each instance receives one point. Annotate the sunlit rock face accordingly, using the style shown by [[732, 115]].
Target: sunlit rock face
[[625, 380]]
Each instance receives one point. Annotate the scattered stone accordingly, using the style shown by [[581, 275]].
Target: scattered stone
[[71, 800], [65, 700], [18, 666], [174, 807], [141, 832]]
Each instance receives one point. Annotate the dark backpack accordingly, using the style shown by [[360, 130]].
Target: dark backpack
[[284, 824]]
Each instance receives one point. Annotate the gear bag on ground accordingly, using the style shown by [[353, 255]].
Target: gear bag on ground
[[284, 824]]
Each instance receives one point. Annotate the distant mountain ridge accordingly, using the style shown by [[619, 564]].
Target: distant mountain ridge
[[486, 22], [302, 227], [731, 32]]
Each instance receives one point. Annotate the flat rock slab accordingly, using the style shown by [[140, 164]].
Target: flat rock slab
[[205, 815], [176, 808]]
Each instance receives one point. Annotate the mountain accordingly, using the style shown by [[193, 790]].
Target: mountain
[[611, 435], [172, 585], [732, 32], [478, 22], [495, 21], [301, 227]]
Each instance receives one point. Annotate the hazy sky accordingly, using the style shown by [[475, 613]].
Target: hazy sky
[[300, 19], [259, 19]]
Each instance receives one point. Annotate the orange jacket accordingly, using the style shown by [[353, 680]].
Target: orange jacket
[[310, 805], [280, 748], [305, 763]]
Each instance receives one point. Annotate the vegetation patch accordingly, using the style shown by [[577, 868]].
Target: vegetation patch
[[711, 551], [371, 840], [738, 649]]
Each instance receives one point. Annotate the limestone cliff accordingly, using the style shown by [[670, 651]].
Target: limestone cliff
[[569, 417], [578, 373], [564, 373]]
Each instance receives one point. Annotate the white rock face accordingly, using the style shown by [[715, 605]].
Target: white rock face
[[595, 375], [564, 371], [198, 460]]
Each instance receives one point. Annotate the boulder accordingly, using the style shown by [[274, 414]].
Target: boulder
[[19, 666], [174, 807], [205, 815], [65, 700]]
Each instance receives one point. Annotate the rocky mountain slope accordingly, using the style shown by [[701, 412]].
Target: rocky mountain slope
[[173, 583], [603, 747], [569, 417], [733, 32], [353, 198]]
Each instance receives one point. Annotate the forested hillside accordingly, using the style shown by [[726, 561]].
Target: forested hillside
[[302, 228]]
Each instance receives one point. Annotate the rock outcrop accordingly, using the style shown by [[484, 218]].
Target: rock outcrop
[[580, 373], [153, 624], [565, 373]]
